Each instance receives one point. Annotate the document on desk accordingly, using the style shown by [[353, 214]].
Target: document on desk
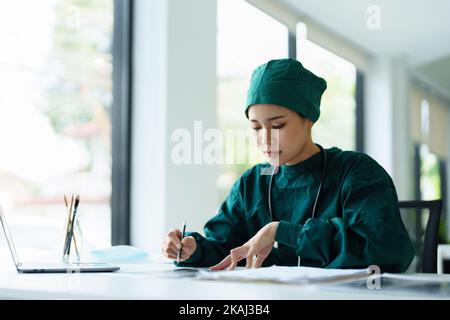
[[299, 275], [158, 270]]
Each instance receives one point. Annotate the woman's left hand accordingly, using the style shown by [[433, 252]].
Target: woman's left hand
[[260, 245]]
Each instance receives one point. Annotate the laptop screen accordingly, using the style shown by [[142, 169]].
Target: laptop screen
[[8, 238]]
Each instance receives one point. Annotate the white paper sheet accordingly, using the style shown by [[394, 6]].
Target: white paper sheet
[[285, 274]]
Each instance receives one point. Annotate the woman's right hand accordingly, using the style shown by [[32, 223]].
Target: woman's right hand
[[172, 243]]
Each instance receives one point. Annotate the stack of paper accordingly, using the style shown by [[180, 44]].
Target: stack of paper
[[286, 274]]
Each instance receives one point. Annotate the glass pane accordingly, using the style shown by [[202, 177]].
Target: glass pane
[[337, 123], [430, 179], [246, 38], [55, 127]]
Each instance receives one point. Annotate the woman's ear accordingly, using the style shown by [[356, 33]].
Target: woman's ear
[[309, 123]]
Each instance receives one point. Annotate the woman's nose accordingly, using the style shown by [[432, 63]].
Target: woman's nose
[[269, 137], [265, 137]]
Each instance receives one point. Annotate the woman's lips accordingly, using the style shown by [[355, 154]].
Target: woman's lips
[[272, 153]]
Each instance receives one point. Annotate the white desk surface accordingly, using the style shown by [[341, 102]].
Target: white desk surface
[[144, 281], [152, 281]]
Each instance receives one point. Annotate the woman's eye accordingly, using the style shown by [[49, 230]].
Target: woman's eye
[[278, 127], [256, 129]]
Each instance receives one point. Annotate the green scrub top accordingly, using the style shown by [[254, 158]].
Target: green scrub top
[[357, 221]]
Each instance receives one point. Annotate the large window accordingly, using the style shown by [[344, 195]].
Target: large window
[[337, 123], [55, 124], [246, 38], [430, 181], [432, 184], [429, 131]]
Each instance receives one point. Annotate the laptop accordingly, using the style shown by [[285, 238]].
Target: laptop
[[51, 267]]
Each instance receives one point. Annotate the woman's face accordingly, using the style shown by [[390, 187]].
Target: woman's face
[[281, 133]]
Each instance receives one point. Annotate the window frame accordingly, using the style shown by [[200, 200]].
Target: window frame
[[359, 95], [417, 177], [121, 122], [359, 101], [292, 45], [444, 190]]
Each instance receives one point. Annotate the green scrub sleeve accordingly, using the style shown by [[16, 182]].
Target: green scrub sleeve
[[370, 231], [225, 231]]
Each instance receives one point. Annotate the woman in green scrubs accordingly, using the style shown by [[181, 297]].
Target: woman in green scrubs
[[356, 220]]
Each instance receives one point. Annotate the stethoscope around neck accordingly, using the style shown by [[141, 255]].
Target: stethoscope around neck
[[319, 190]]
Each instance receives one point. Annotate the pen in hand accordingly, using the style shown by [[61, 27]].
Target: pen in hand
[[183, 232]]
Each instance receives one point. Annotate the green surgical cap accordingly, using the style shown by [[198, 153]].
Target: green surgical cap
[[287, 83]]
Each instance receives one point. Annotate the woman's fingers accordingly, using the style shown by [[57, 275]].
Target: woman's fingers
[[174, 235], [171, 242], [172, 256], [250, 257], [237, 255], [261, 256], [188, 248], [259, 261], [249, 261], [230, 262], [167, 249], [248, 251], [184, 256], [232, 265], [164, 248], [222, 264], [189, 244]]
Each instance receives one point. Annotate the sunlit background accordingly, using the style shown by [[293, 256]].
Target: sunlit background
[[57, 94], [55, 128], [247, 38]]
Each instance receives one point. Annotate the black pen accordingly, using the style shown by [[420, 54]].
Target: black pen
[[74, 215], [67, 239], [182, 236]]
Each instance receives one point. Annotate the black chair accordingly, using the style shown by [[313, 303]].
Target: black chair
[[421, 219]]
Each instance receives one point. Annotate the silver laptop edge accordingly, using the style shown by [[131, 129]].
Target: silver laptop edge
[[63, 268], [11, 246]]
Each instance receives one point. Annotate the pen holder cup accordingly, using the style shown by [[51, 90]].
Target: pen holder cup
[[73, 242]]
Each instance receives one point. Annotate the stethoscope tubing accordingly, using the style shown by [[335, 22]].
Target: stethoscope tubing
[[319, 190]]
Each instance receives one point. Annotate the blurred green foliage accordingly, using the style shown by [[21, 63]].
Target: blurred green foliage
[[78, 78]]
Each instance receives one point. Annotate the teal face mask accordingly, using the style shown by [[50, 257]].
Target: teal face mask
[[121, 253]]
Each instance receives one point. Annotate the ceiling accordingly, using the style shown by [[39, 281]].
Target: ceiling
[[417, 30]]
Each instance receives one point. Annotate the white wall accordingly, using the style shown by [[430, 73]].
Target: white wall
[[386, 118], [174, 84], [403, 149], [378, 113]]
